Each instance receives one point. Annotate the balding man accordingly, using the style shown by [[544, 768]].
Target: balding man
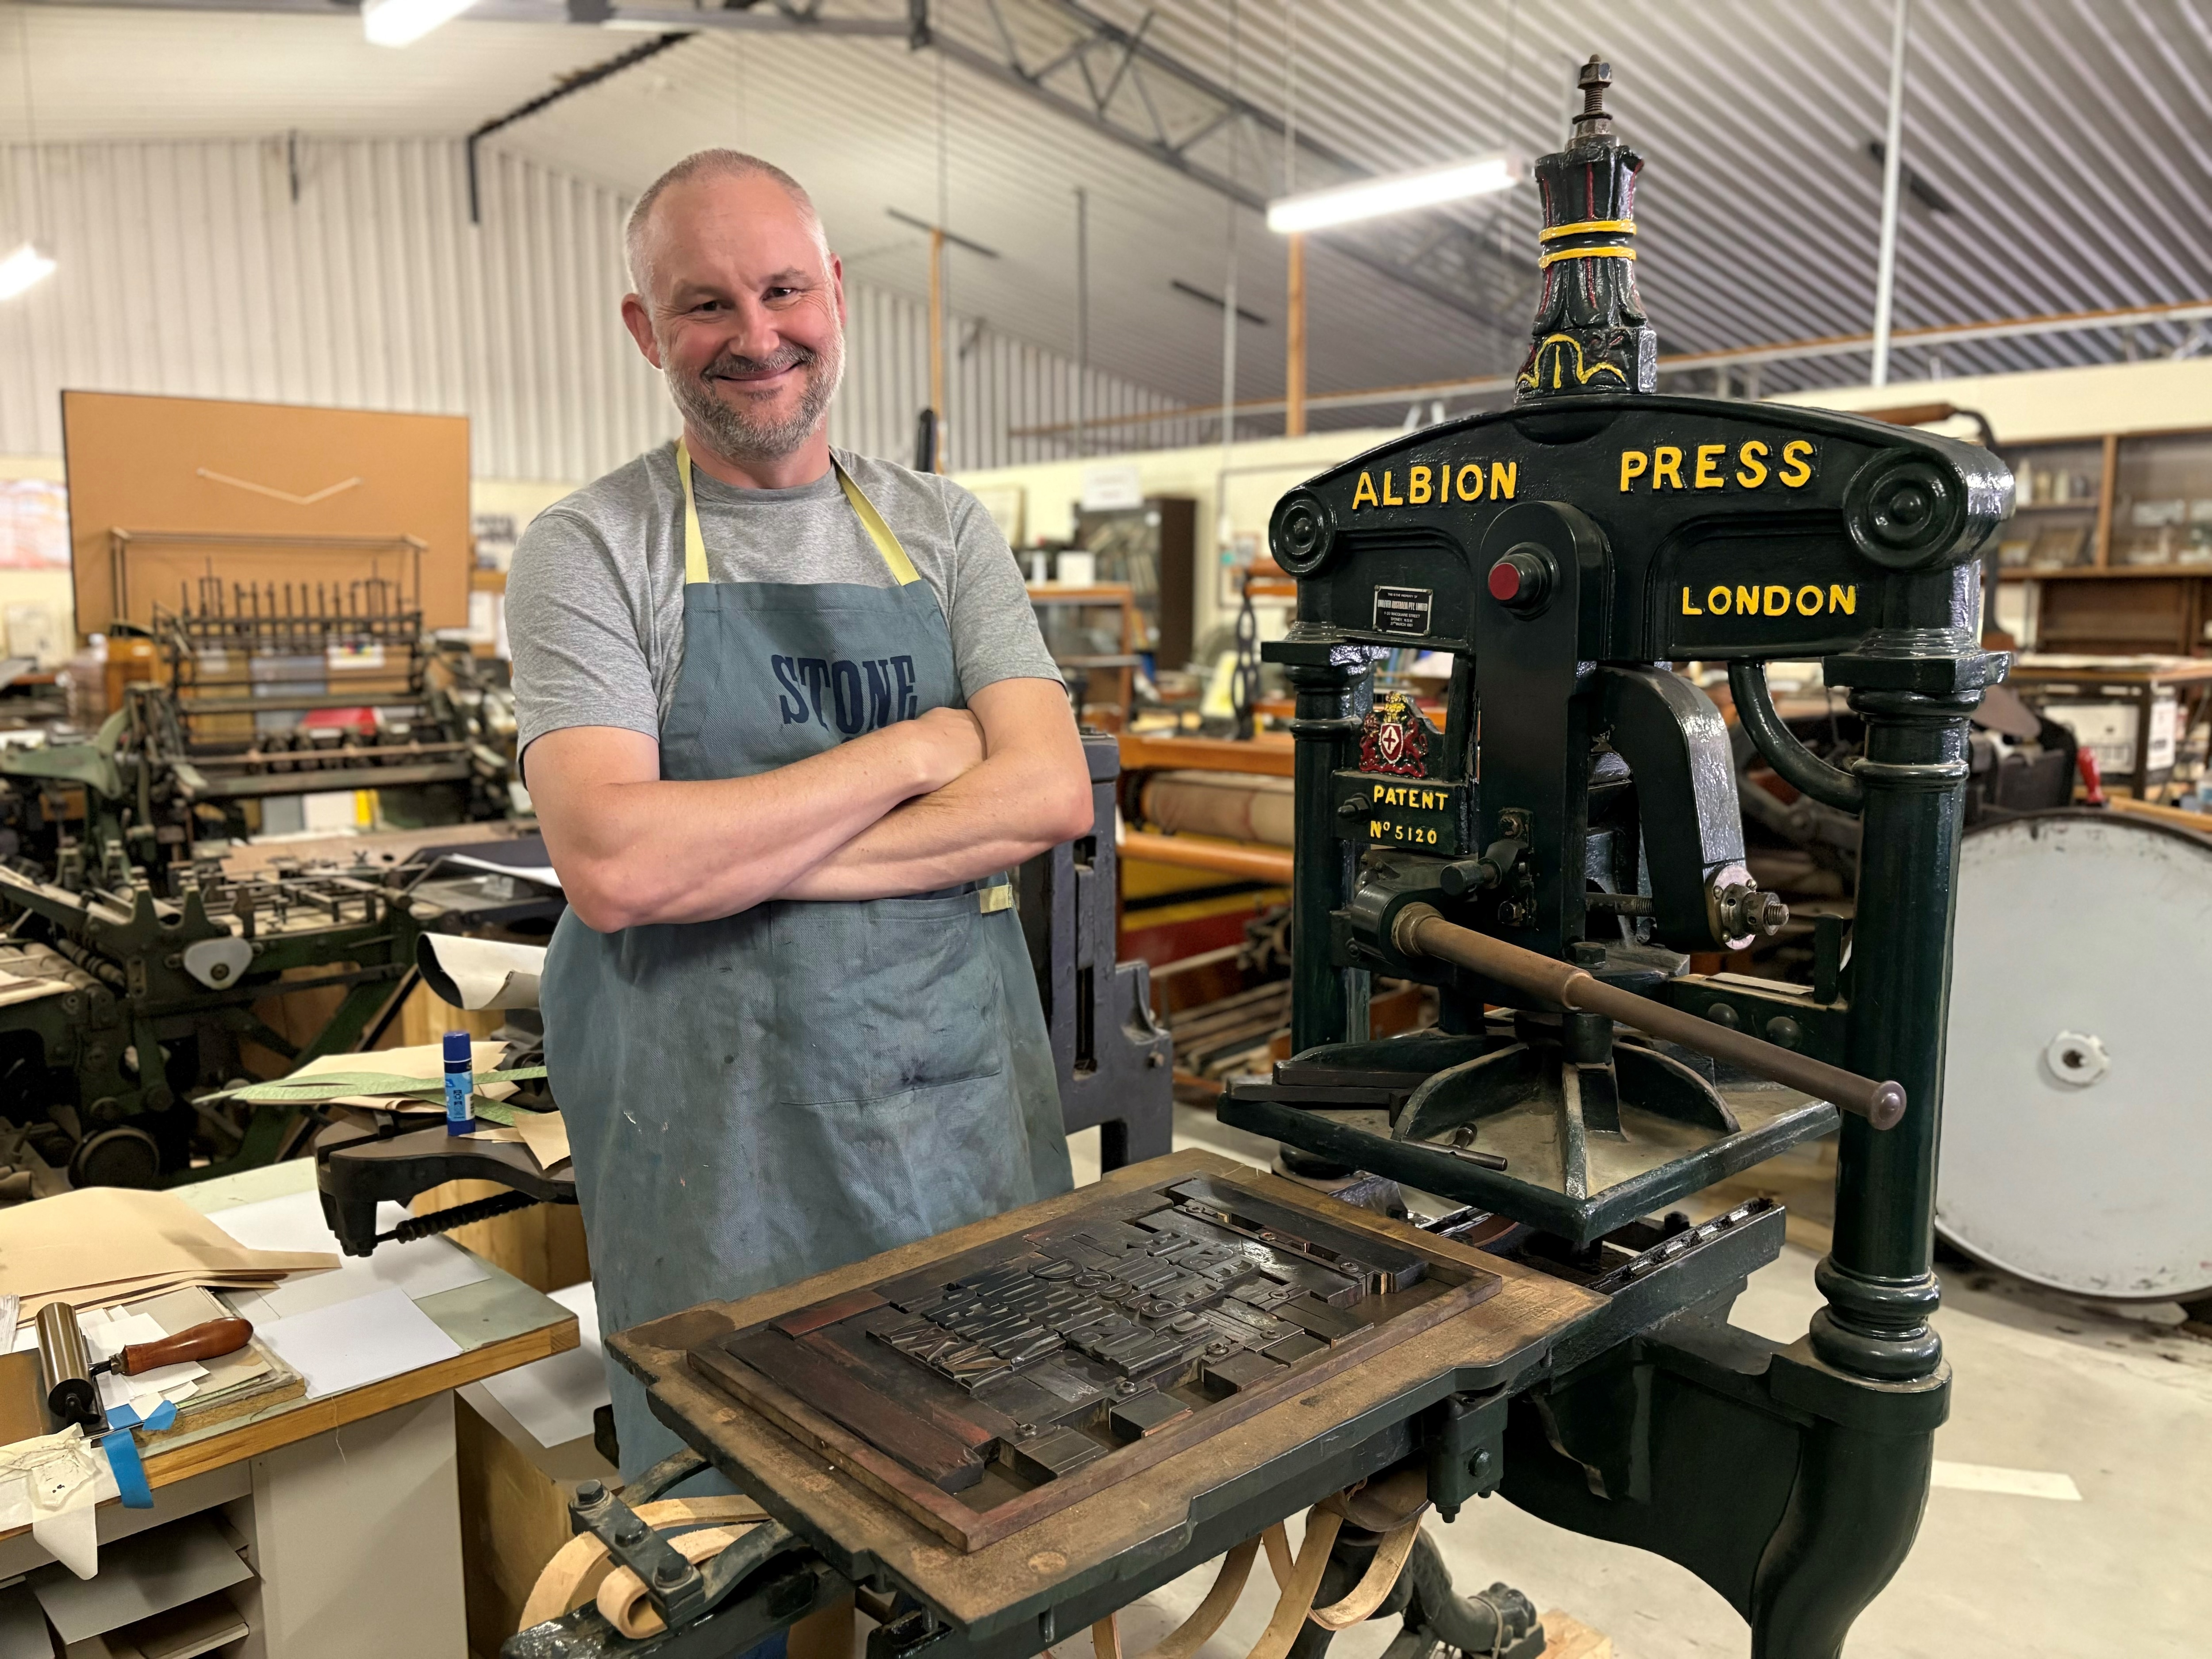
[[787, 720]]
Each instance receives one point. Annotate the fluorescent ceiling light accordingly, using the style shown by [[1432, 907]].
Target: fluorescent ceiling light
[[1371, 198], [403, 23], [23, 268]]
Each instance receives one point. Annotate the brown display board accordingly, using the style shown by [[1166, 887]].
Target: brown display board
[[311, 495]]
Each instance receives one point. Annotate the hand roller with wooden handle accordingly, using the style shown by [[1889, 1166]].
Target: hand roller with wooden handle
[[211, 1340]]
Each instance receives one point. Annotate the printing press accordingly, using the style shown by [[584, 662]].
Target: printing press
[[1002, 1436]]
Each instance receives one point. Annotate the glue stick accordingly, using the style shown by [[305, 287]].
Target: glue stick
[[460, 1084]]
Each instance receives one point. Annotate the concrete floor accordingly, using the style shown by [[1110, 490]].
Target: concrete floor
[[2120, 1405]]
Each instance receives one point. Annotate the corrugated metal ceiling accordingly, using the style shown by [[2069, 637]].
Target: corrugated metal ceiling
[[2064, 147]]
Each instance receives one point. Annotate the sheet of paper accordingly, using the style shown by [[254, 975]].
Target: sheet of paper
[[352, 1344], [553, 1398], [70, 1476], [543, 873], [545, 1135], [149, 1572], [483, 973], [420, 1269]]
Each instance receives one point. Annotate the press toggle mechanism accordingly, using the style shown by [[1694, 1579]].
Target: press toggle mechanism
[[1500, 860]]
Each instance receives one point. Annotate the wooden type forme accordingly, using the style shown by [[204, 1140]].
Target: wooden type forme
[[1474, 1321], [1000, 1384]]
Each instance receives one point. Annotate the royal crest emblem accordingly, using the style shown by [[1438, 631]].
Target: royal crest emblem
[[1395, 739]]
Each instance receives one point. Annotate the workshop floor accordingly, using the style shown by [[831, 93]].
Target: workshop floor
[[2053, 1398]]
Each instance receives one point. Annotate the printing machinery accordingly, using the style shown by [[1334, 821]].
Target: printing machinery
[[1002, 1436], [132, 959]]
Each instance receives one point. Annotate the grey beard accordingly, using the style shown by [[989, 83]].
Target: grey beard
[[736, 434]]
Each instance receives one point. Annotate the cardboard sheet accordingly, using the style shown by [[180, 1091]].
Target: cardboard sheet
[[546, 1136], [102, 1245], [22, 1626], [352, 1344], [147, 1573]]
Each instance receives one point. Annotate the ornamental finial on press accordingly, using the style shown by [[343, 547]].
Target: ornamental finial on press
[[1590, 334]]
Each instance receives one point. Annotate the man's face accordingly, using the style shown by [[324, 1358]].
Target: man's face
[[743, 311]]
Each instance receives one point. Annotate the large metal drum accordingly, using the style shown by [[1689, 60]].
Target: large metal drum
[[2077, 1108]]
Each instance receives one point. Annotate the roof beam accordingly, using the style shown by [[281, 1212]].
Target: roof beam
[[1166, 155], [1829, 345]]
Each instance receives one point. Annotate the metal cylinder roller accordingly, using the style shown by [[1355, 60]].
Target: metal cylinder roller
[[71, 1395]]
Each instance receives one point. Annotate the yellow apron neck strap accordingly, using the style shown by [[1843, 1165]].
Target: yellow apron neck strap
[[695, 545], [894, 556], [887, 545]]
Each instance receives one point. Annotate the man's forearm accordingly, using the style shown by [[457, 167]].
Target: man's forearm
[[637, 852], [985, 821]]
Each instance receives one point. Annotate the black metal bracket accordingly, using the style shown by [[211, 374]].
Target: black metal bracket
[[676, 1588]]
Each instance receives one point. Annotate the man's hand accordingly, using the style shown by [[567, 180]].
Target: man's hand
[[633, 848], [1031, 791], [949, 742]]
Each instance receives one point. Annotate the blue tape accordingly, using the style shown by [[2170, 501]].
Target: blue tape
[[122, 1459]]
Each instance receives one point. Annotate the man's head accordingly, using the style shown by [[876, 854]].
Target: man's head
[[738, 302]]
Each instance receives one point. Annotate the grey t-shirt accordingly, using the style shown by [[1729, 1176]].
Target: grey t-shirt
[[595, 599]]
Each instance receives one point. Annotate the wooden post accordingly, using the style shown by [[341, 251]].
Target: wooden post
[[1294, 364], [937, 342]]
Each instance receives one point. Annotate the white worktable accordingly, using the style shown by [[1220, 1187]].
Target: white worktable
[[348, 1504]]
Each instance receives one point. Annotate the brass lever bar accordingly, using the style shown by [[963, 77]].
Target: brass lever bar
[[1419, 931]]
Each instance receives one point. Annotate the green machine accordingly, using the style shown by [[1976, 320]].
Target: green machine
[[132, 960], [1004, 1435], [1551, 856]]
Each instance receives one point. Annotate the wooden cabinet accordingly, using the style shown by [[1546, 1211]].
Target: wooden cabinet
[[2114, 534]]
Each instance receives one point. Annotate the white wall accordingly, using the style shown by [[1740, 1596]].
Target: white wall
[[187, 269], [1254, 477], [2055, 403]]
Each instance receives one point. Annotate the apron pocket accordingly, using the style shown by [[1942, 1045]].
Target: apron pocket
[[877, 999]]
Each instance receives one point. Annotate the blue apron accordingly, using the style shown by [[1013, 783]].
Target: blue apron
[[782, 1091]]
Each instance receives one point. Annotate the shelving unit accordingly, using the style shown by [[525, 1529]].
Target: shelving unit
[[2116, 534], [1093, 634]]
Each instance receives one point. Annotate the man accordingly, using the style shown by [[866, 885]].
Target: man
[[787, 719]]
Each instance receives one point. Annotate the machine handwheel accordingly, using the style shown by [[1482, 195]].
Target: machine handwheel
[[124, 1156]]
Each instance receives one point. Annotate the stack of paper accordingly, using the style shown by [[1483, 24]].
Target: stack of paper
[[102, 1245], [388, 1080]]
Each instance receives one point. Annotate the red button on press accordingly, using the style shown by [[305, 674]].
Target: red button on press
[[1521, 581]]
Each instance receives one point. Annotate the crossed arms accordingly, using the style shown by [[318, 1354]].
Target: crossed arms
[[923, 804]]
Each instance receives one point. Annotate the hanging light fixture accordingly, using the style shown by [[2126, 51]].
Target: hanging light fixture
[[403, 23], [1371, 198], [23, 268]]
